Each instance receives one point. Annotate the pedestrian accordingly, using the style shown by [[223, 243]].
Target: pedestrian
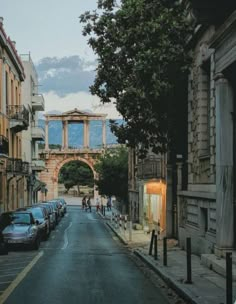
[[109, 203], [89, 205], [84, 202], [97, 204]]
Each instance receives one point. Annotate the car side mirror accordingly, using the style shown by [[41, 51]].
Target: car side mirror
[[37, 222]]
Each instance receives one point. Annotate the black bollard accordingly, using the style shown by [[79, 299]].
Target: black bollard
[[229, 278], [189, 264], [165, 251], [104, 211], [155, 247], [151, 243]]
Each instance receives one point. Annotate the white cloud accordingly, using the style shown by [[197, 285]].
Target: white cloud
[[81, 101]]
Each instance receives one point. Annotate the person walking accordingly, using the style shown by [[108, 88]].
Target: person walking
[[109, 204], [89, 205], [84, 202], [97, 204]]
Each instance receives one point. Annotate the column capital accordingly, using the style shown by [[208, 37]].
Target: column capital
[[220, 77]]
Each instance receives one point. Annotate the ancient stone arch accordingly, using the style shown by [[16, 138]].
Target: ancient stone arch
[[55, 160]]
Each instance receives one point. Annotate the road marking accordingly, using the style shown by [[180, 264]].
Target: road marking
[[19, 278], [66, 237]]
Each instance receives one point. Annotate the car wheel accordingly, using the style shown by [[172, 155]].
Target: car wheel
[[36, 243]]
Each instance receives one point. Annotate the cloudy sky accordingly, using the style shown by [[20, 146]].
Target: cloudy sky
[[50, 30]]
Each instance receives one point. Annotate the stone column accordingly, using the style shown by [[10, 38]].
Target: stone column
[[46, 134], [85, 133], [63, 136], [224, 164], [66, 134], [104, 133]]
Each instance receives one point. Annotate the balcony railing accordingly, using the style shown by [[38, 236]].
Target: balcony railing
[[17, 166], [19, 117], [38, 102], [38, 165], [37, 133], [151, 168], [4, 146]]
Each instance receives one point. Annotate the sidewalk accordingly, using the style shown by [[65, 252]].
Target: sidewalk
[[208, 287]]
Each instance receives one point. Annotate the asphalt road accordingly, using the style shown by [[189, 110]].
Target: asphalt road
[[83, 262]]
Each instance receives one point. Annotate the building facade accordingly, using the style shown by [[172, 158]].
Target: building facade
[[206, 208], [147, 191], [33, 102], [14, 118]]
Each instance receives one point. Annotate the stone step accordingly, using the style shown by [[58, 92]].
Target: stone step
[[217, 264]]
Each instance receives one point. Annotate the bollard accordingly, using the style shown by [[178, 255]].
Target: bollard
[[130, 231], [189, 265], [125, 224], [229, 278], [151, 243], [116, 221], [104, 211], [155, 247], [120, 222], [165, 251]]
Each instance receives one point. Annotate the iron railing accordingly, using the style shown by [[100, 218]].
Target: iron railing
[[4, 145], [17, 166], [18, 112]]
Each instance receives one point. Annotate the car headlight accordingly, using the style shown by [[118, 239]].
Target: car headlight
[[32, 232]]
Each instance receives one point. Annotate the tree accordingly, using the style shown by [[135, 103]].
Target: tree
[[112, 168], [76, 173], [142, 59]]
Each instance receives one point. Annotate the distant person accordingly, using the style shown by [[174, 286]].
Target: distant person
[[89, 205], [84, 202], [97, 204], [109, 204]]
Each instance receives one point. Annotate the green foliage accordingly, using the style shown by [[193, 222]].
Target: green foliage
[[141, 59], [112, 168], [76, 173]]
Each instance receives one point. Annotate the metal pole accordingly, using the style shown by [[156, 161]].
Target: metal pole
[[189, 266], [151, 243], [229, 278], [165, 251], [155, 247], [130, 231]]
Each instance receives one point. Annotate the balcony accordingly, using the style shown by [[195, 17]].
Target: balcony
[[38, 165], [150, 168], [19, 118], [4, 146], [17, 166], [37, 102], [37, 133]]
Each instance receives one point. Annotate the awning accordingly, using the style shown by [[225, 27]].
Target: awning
[[38, 185]]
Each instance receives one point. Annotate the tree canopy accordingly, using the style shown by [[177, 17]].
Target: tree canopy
[[112, 168], [140, 45], [76, 173]]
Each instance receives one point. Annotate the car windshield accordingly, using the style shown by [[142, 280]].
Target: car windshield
[[21, 218], [37, 212]]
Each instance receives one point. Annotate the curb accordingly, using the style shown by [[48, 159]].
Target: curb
[[186, 295], [117, 234]]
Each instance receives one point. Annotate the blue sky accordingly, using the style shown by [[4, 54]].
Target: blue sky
[[47, 28], [50, 30]]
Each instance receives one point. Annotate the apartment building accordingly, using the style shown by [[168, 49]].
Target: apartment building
[[33, 102], [207, 208], [14, 118]]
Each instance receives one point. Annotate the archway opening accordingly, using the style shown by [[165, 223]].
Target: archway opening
[[76, 178]]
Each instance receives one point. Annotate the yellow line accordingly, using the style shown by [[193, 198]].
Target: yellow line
[[19, 278]]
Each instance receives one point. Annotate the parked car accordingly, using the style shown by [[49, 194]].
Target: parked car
[[58, 207], [22, 229], [41, 216], [64, 204], [51, 214]]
